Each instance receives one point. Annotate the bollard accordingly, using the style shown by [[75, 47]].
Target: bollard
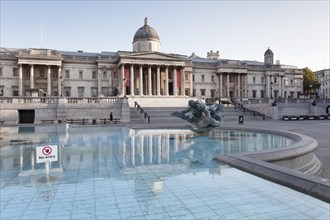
[[240, 119]]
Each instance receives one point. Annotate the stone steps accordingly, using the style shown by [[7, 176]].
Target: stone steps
[[163, 115]]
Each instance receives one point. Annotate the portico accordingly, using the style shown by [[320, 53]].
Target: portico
[[39, 70], [158, 76], [232, 83]]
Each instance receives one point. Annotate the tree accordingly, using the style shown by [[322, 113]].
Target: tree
[[310, 82]]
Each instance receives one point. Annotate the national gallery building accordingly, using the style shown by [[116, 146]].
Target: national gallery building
[[144, 72]]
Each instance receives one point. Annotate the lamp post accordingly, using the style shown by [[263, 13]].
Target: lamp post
[[61, 86]]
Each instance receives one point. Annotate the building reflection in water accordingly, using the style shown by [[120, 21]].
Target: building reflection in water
[[123, 154]]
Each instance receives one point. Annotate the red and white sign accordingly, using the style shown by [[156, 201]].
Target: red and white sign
[[46, 153]]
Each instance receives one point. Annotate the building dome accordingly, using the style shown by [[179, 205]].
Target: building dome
[[269, 52], [146, 39], [146, 33]]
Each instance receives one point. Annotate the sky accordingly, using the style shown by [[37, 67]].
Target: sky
[[296, 31]]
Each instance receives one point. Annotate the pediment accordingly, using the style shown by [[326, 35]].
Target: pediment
[[153, 56]]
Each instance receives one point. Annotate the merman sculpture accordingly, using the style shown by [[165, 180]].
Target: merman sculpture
[[204, 117]]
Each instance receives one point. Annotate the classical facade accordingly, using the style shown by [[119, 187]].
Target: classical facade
[[323, 77], [144, 72]]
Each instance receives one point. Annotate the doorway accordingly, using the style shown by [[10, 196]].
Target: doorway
[[26, 116]]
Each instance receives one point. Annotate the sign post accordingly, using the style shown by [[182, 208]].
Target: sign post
[[46, 154]]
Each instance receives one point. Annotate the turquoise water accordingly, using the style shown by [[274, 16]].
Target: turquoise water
[[121, 173]]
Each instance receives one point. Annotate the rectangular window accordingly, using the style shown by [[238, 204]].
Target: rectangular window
[[67, 91], [275, 79], [15, 90], [67, 74], [54, 75], [94, 91], [254, 94], [27, 74], [291, 94], [15, 72], [231, 79], [105, 74], [254, 79], [81, 91], [1, 90], [115, 75], [105, 91], [94, 75], [203, 92], [262, 79], [291, 82], [194, 92], [202, 78], [0, 71], [187, 92], [193, 78], [212, 93], [80, 74], [186, 77], [262, 93]]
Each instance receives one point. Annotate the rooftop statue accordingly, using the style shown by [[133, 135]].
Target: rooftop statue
[[204, 117]]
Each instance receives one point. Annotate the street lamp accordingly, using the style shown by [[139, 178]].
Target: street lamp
[[61, 87]]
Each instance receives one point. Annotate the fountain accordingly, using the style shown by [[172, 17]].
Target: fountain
[[204, 118]]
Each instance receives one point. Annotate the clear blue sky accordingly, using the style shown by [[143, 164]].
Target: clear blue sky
[[296, 31]]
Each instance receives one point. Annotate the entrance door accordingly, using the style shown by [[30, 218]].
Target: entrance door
[[170, 88], [26, 116]]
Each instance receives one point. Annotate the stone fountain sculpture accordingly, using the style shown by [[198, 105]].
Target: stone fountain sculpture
[[204, 117]]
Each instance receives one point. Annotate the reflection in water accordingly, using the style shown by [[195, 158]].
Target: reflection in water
[[123, 148], [144, 157]]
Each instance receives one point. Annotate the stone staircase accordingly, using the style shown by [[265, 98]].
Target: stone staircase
[[162, 115]]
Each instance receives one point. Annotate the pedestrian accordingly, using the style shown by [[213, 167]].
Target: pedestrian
[[111, 117]]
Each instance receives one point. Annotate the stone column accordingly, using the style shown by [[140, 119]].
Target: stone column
[[267, 86], [123, 84], [191, 83], [32, 77], [110, 82], [166, 81], [183, 92], [141, 81], [175, 82], [49, 83], [220, 85], [158, 80], [238, 85], [99, 78], [283, 87], [132, 79], [245, 87], [59, 81], [149, 80], [228, 94], [280, 86], [20, 81]]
